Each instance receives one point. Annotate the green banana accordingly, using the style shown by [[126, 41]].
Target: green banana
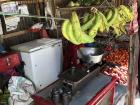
[[109, 14], [126, 13], [90, 16], [64, 29], [113, 17], [85, 38], [106, 23], [119, 28], [71, 34], [88, 24], [68, 32], [104, 26], [96, 24], [115, 26], [122, 29], [76, 25], [79, 35], [87, 17]]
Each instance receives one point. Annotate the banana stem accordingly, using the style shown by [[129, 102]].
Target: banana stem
[[94, 10]]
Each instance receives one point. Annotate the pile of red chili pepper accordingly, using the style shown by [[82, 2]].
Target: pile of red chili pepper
[[119, 57]]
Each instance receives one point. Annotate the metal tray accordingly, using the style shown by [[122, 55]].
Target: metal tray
[[73, 75], [82, 79]]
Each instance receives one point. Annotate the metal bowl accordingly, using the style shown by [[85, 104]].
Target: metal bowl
[[90, 54]]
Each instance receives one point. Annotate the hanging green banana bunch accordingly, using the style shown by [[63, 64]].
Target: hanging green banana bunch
[[95, 27], [68, 32], [126, 13], [79, 34]]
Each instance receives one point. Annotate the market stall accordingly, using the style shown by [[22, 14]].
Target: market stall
[[119, 59], [87, 56]]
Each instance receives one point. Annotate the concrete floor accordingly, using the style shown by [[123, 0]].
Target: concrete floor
[[137, 100]]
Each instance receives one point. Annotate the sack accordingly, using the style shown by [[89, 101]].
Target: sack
[[21, 90]]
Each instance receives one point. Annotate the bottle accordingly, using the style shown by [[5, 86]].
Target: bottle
[[56, 97], [65, 99]]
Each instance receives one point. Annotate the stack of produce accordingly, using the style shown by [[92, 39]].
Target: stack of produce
[[95, 22], [76, 33], [120, 74], [118, 17], [120, 58], [73, 32]]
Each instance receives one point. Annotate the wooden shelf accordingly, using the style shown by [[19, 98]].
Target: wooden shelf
[[14, 34]]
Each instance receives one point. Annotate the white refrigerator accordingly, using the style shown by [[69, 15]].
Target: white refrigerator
[[43, 60]]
